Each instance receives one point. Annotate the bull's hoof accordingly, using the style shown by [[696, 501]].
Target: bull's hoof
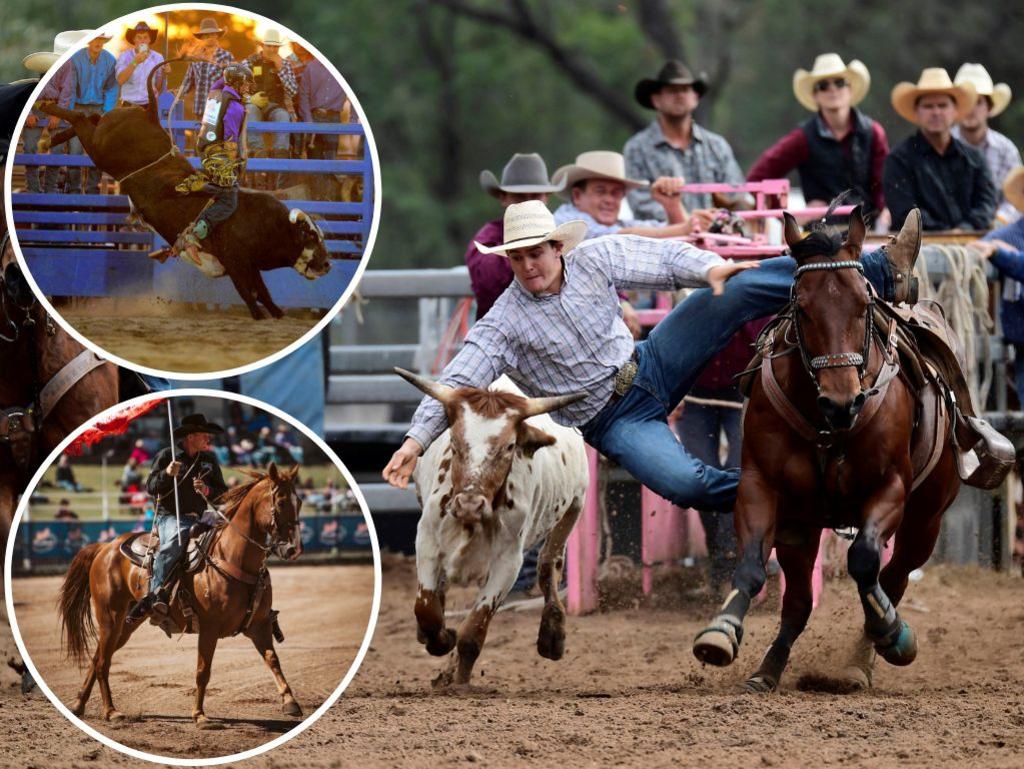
[[291, 708], [900, 647], [760, 683], [551, 644], [442, 644], [716, 645]]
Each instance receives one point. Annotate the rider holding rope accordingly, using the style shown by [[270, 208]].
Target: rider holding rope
[[198, 477]]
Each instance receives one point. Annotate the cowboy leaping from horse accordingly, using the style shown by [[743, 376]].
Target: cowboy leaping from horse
[[197, 475]]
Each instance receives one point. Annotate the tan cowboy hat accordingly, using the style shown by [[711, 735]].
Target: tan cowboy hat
[[41, 61], [523, 173], [597, 164], [932, 80], [530, 223], [1013, 188], [830, 65], [272, 37], [978, 76], [208, 26]]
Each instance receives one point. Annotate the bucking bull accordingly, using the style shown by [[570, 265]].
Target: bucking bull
[[129, 144]]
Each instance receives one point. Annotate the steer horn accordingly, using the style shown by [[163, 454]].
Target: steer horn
[[440, 392], [297, 214], [535, 406]]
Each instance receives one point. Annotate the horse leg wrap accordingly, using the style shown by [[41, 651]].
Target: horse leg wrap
[[880, 618]]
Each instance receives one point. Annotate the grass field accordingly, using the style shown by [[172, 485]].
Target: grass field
[[88, 505]]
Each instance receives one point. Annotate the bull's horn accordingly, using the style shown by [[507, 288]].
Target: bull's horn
[[296, 213], [535, 406], [441, 392]]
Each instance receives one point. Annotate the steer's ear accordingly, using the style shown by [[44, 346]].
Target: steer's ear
[[530, 438]]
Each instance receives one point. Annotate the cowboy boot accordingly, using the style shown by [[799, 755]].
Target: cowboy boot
[[141, 609], [160, 605], [187, 244], [901, 252]]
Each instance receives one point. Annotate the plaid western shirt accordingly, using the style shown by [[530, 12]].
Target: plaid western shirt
[[1000, 153], [202, 74], [572, 341], [708, 159]]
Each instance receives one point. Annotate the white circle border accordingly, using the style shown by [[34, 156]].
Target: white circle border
[[8, 177], [305, 723]]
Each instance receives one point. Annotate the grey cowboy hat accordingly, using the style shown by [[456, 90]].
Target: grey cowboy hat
[[523, 173], [196, 423], [674, 72]]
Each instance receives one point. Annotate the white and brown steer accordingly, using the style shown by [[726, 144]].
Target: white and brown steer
[[501, 479]]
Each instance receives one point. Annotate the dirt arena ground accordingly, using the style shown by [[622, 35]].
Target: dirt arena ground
[[183, 337], [629, 693], [324, 614]]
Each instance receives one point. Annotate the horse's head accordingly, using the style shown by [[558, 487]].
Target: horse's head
[[283, 512], [832, 314]]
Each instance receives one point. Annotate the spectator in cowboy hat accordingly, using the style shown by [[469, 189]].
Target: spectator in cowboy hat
[[947, 178], [200, 75], [135, 64], [673, 145], [839, 148], [1000, 153], [595, 186], [275, 87], [93, 85], [524, 177]]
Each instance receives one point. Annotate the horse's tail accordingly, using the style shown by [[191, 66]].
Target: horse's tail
[[77, 626]]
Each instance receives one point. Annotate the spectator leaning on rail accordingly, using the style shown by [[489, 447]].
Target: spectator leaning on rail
[[1000, 153], [135, 64], [524, 177], [321, 100], [57, 90], [93, 87], [200, 75], [931, 170], [275, 85], [1004, 247], [557, 330], [673, 145], [838, 149]]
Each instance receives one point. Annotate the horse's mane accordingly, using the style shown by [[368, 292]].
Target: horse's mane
[[822, 239], [232, 498]]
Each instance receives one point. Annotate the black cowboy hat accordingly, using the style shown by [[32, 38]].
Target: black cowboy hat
[[141, 27], [673, 73], [196, 423]]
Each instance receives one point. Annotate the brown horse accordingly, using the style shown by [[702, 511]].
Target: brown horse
[[225, 596], [840, 455]]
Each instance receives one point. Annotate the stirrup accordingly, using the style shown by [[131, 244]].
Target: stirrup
[[986, 464]]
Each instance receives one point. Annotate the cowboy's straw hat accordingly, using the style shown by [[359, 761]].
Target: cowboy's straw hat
[[597, 164], [141, 27], [208, 26], [272, 37], [41, 61], [978, 76], [1013, 188], [933, 80], [672, 73], [530, 223], [830, 65], [523, 173]]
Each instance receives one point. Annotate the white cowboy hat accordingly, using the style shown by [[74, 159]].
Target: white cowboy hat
[[598, 164], [932, 80], [978, 76], [523, 173], [272, 37], [1013, 188], [530, 223], [41, 61], [830, 65]]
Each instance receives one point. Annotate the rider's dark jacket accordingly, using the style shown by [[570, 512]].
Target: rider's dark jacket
[[160, 485]]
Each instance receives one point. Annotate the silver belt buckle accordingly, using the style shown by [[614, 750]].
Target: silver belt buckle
[[624, 377]]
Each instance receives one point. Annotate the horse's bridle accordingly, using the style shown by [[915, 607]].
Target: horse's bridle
[[834, 359]]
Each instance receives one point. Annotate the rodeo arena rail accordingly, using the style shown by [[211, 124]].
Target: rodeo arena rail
[[372, 404], [76, 245]]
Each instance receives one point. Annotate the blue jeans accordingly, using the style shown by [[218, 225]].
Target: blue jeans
[[633, 430], [92, 185], [225, 201], [170, 551], [273, 113]]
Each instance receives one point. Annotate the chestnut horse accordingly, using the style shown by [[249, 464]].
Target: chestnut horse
[[222, 593], [850, 465]]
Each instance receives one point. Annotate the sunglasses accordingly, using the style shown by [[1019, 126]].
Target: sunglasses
[[824, 85]]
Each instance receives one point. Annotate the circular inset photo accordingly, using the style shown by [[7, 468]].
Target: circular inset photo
[[192, 578], [192, 190]]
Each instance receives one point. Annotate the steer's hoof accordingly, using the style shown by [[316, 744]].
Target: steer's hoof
[[291, 708], [716, 645], [900, 648], [442, 644], [551, 645]]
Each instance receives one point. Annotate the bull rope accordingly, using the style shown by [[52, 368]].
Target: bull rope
[[172, 151]]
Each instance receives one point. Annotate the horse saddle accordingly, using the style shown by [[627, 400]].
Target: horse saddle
[[139, 548]]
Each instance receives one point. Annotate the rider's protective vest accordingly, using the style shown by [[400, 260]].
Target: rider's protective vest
[[211, 127]]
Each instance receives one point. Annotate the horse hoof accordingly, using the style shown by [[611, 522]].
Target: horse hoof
[[855, 679], [902, 650], [551, 645], [760, 684], [291, 709], [442, 644], [714, 646], [115, 715]]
